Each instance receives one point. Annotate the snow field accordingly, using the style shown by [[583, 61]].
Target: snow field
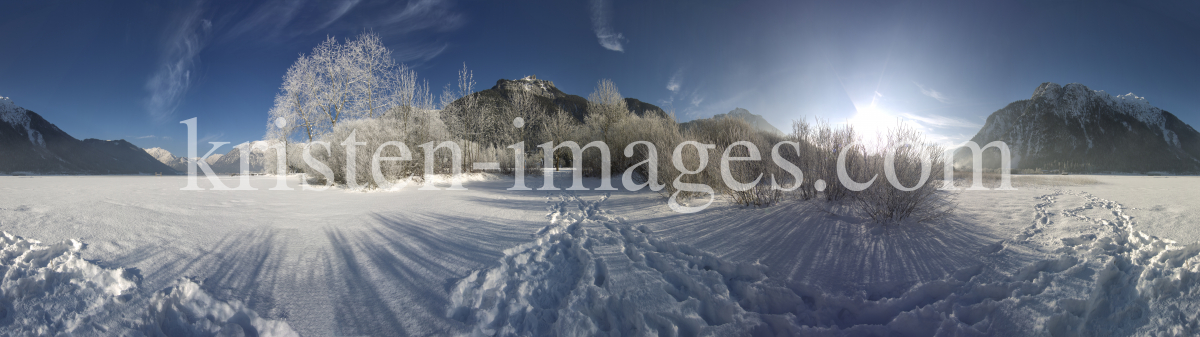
[[50, 290], [1071, 262], [592, 273]]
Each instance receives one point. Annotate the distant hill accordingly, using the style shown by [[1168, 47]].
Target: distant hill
[[231, 162], [500, 95], [756, 121], [29, 143], [1074, 128], [177, 163]]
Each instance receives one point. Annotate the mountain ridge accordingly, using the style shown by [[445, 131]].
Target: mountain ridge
[[30, 143], [756, 121], [1075, 128], [544, 91]]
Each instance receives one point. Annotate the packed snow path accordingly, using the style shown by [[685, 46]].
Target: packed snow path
[[592, 273]]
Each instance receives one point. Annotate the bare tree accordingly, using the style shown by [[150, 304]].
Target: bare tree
[[531, 112], [558, 127], [606, 108], [462, 115]]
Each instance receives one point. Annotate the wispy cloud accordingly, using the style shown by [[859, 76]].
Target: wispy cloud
[[290, 18], [933, 93], [420, 15], [146, 137], [211, 137], [340, 9], [676, 81], [602, 25], [697, 99], [177, 61], [195, 27], [282, 20], [941, 121], [268, 20]]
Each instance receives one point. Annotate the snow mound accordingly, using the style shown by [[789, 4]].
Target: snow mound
[[591, 273], [51, 290], [184, 309]]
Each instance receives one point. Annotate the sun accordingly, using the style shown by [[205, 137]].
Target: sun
[[870, 122]]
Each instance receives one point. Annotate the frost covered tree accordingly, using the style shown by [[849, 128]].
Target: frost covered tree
[[558, 127], [348, 80], [460, 113], [606, 108], [531, 112], [296, 103]]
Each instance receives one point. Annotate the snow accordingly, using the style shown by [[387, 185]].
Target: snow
[[136, 254], [18, 117], [589, 273], [213, 158], [51, 290], [162, 155], [1076, 97]]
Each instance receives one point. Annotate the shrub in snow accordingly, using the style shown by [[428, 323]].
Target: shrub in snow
[[352, 145], [912, 192], [742, 182]]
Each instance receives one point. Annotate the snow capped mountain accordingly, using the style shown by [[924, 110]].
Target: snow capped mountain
[[29, 143], [18, 117], [165, 157], [225, 164], [213, 158], [500, 95], [757, 121], [231, 162], [161, 154], [1075, 128]]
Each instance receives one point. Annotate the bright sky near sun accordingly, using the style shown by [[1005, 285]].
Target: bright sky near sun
[[134, 69]]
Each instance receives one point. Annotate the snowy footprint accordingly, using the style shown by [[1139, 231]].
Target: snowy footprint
[[51, 290], [589, 273]]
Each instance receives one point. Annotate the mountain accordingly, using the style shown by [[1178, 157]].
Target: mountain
[[165, 157], [1074, 128], [224, 164], [29, 143], [231, 162], [758, 122], [177, 163], [500, 95]]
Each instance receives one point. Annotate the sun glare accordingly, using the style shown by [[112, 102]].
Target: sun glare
[[871, 121]]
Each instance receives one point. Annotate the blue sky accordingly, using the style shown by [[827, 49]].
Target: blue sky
[[133, 70]]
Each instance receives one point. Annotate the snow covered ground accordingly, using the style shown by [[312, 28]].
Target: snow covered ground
[[136, 254]]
